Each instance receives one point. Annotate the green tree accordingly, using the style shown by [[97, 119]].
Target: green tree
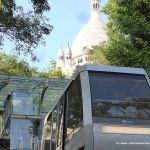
[[11, 65], [24, 29], [54, 72], [51, 71], [129, 33], [97, 55]]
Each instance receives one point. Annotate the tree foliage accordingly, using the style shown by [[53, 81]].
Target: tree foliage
[[12, 65], [51, 74], [24, 29], [129, 33], [97, 55], [52, 71]]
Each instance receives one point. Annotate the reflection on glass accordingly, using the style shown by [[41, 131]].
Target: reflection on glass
[[75, 112], [53, 142], [47, 133], [22, 103], [120, 95], [60, 122]]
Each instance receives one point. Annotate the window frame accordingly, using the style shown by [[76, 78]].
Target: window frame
[[118, 120], [60, 144], [66, 110]]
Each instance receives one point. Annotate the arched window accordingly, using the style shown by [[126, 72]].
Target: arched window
[[80, 60], [96, 5], [61, 57], [86, 58]]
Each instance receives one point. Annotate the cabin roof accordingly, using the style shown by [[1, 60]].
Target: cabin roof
[[113, 69]]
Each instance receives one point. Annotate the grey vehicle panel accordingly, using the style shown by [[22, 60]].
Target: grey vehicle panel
[[108, 133]]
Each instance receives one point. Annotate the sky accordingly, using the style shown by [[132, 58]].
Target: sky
[[67, 18]]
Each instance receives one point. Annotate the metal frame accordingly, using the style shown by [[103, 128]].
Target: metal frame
[[112, 69], [87, 111]]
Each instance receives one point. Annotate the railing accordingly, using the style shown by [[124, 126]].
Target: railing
[[36, 143]]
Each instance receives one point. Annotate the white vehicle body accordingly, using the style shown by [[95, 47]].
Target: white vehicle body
[[113, 112]]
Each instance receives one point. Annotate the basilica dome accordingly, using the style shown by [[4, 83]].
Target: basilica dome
[[93, 33]]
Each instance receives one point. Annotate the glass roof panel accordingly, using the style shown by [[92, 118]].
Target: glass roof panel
[[50, 87]]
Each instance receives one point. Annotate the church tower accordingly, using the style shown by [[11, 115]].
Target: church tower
[[68, 60], [61, 60]]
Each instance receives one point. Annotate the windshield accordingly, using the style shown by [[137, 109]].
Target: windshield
[[119, 95]]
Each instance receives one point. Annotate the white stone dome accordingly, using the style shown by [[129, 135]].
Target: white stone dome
[[91, 34]]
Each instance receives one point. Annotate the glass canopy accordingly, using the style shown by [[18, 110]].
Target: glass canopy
[[45, 91]]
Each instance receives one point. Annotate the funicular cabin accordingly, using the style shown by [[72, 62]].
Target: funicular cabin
[[103, 108]]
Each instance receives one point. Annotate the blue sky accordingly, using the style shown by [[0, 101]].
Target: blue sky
[[67, 17]]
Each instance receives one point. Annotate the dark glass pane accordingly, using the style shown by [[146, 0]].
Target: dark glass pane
[[53, 142], [74, 112], [47, 132], [120, 95], [60, 121]]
